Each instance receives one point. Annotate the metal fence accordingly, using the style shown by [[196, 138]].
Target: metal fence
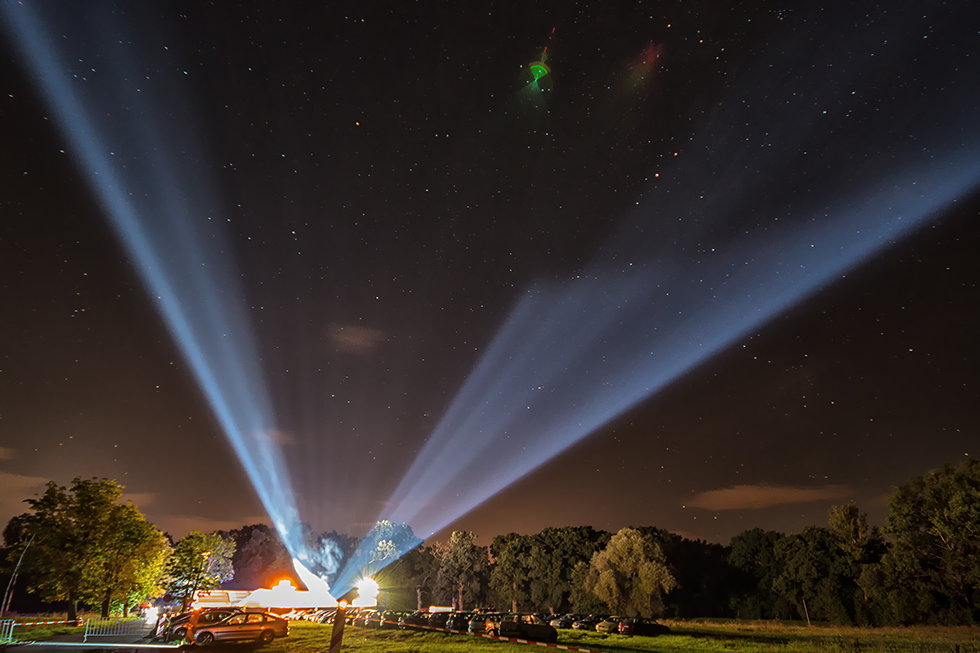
[[115, 627], [6, 631]]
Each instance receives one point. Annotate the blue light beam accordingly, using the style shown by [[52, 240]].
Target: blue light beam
[[152, 185], [791, 183]]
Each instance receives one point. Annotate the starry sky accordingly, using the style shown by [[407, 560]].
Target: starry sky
[[389, 185]]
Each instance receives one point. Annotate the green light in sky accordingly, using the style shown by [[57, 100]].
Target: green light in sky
[[539, 69]]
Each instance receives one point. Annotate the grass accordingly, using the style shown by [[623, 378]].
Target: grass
[[697, 636], [38, 633], [685, 637]]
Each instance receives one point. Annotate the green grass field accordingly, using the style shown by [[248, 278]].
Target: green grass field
[[43, 632], [708, 636], [685, 637]]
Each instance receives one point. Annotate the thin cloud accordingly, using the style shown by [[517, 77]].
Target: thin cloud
[[20, 487], [141, 499], [356, 339], [747, 497], [6, 453], [879, 501], [278, 436], [14, 488]]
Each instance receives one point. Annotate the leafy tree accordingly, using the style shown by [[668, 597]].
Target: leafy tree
[[583, 599], [931, 573], [864, 547], [704, 578], [136, 567], [753, 555], [509, 577], [463, 569], [86, 546], [199, 562], [412, 576], [554, 554], [630, 575], [860, 543], [818, 575]]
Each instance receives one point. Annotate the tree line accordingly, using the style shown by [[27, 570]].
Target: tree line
[[922, 567], [81, 545]]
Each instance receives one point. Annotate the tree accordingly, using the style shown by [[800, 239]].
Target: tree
[[704, 578], [408, 580], [860, 543], [199, 562], [136, 567], [86, 545], [931, 573], [582, 599], [818, 575], [630, 575], [509, 577], [753, 555], [463, 569], [554, 554]]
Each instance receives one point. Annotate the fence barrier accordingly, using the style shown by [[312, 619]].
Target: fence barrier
[[114, 627], [6, 631]]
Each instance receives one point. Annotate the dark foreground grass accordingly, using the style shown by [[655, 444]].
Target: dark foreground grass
[[685, 637]]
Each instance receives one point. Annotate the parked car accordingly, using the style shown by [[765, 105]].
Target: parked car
[[177, 629], [526, 626], [389, 619], [353, 614], [637, 626], [608, 625], [438, 620], [587, 623], [261, 626], [566, 620], [374, 619], [477, 623], [413, 620], [459, 621], [491, 625]]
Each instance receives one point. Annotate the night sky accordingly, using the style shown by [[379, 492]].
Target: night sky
[[388, 186]]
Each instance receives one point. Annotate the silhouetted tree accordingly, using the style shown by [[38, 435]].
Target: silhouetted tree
[[753, 556], [510, 571], [554, 554], [704, 577], [463, 570], [819, 574], [408, 581], [931, 573]]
